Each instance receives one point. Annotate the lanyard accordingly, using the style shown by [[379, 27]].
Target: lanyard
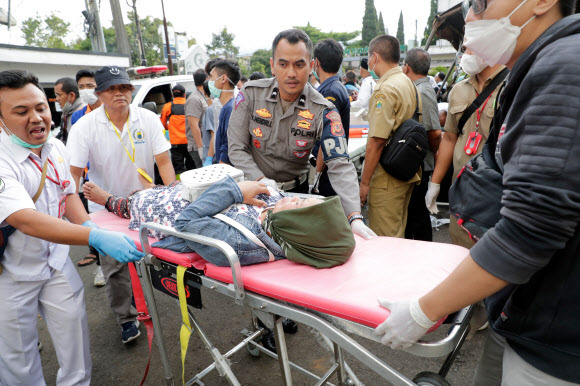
[[132, 158], [479, 111], [57, 182]]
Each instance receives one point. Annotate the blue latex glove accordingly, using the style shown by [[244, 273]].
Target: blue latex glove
[[208, 161], [90, 224], [115, 244]]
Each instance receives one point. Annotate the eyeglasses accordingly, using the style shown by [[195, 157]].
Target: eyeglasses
[[478, 6], [121, 87]]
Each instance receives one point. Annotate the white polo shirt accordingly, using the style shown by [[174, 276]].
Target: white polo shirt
[[28, 258], [95, 142]]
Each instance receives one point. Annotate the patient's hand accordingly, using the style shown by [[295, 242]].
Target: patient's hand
[[250, 189], [95, 193]]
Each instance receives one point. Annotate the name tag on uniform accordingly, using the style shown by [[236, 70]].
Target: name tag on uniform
[[62, 207]]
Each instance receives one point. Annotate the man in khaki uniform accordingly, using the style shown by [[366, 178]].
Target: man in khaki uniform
[[392, 103], [277, 121], [452, 148]]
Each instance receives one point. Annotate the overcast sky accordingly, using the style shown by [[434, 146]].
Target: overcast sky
[[253, 24]]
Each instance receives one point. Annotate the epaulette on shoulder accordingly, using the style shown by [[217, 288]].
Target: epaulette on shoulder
[[261, 83]]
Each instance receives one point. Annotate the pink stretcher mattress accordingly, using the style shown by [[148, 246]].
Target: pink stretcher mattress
[[385, 267]]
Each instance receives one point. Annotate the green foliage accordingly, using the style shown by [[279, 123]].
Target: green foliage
[[369, 24], [433, 71], [315, 34], [429, 26], [151, 39], [191, 42], [401, 30], [85, 44], [381, 25], [222, 45], [49, 32], [260, 61]]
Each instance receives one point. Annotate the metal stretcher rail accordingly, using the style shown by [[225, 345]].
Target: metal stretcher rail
[[332, 327]]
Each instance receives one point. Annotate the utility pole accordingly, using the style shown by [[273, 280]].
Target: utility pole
[[416, 42], [169, 60], [139, 36], [95, 30], [8, 15], [120, 30]]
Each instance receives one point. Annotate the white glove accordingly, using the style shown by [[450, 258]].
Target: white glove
[[431, 197], [406, 324], [269, 182], [360, 229]]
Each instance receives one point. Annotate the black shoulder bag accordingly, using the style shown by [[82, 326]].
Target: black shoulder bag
[[405, 152], [485, 93]]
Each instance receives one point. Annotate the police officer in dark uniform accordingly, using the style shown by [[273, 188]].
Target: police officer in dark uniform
[[277, 121], [327, 60]]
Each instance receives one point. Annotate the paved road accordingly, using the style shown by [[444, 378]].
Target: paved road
[[118, 364]]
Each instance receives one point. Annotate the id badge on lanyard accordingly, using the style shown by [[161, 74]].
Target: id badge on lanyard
[[472, 143]]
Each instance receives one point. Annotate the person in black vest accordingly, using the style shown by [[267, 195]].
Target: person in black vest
[[173, 119]]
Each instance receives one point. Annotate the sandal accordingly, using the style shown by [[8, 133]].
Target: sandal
[[88, 260]]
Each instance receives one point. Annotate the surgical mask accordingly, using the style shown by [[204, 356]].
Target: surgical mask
[[372, 71], [472, 64], [17, 141], [217, 92], [88, 96], [494, 41], [315, 75], [66, 108]]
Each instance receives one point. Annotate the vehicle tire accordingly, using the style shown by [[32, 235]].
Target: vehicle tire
[[428, 378]]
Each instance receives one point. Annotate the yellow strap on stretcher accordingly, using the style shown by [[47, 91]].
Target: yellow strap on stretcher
[[185, 332]]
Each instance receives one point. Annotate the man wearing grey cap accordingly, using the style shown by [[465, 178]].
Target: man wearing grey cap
[[122, 143], [367, 87]]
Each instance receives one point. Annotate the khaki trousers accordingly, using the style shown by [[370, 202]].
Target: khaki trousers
[[459, 236], [388, 209]]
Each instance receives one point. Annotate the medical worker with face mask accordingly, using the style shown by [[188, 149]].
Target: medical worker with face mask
[[527, 266]]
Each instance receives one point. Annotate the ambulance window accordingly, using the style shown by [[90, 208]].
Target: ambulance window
[[160, 95], [189, 86]]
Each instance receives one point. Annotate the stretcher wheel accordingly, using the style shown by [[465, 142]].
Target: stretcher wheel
[[252, 350], [428, 378]]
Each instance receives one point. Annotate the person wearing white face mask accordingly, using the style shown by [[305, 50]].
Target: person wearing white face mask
[[459, 146], [526, 264], [68, 99]]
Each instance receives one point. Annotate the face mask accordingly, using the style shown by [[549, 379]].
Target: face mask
[[66, 108], [315, 75], [493, 41], [217, 92], [472, 64], [17, 141], [88, 96], [372, 71]]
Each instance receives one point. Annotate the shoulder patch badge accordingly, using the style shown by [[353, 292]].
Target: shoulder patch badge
[[257, 132], [300, 154], [380, 96], [336, 129], [264, 113], [331, 98], [306, 114], [379, 105], [257, 144], [333, 116], [239, 99], [304, 124]]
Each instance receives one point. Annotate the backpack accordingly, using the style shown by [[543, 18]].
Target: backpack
[[405, 152], [176, 110]]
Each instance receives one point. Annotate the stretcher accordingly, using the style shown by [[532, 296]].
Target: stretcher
[[332, 301]]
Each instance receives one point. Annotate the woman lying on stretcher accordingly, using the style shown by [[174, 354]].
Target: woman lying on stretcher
[[310, 231]]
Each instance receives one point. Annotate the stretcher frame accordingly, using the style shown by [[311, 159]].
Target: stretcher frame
[[272, 311]]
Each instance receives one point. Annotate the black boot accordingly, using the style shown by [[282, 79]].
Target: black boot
[[289, 326], [268, 340]]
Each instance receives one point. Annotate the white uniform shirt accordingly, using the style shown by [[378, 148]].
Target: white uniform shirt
[[28, 258], [364, 95], [95, 142]]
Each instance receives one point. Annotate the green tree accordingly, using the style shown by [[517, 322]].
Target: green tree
[[49, 32], [429, 26], [369, 24], [222, 45], [151, 39], [260, 61], [401, 30], [85, 44], [381, 25], [191, 42], [315, 35]]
